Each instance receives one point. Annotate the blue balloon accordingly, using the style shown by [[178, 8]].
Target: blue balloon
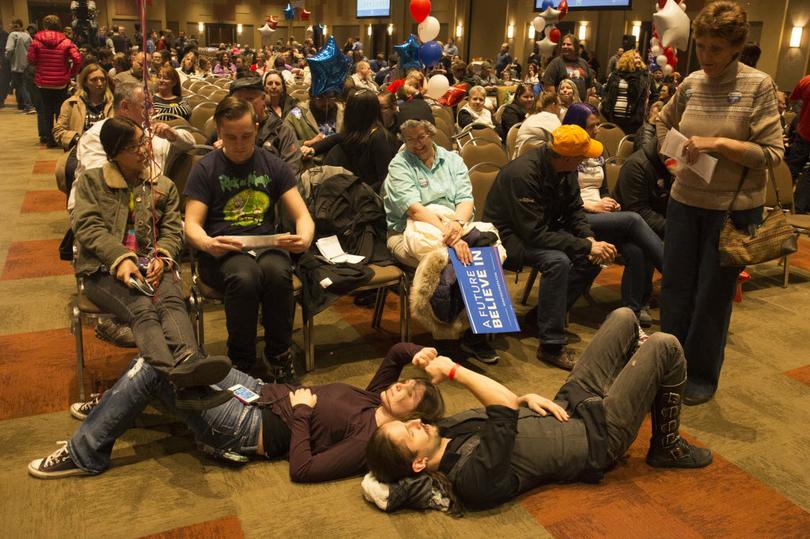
[[409, 53], [289, 12], [329, 69], [547, 4], [430, 53]]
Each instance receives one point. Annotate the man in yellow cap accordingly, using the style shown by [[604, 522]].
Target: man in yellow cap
[[536, 206]]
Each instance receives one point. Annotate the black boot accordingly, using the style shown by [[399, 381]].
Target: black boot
[[281, 368], [667, 448], [198, 369]]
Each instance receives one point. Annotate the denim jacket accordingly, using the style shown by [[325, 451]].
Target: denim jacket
[[102, 210]]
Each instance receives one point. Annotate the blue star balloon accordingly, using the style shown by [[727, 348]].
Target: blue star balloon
[[329, 69], [409, 53], [289, 12], [547, 4]]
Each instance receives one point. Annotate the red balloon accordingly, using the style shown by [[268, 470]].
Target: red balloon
[[661, 4], [305, 15], [563, 7], [272, 21], [454, 95], [420, 9], [669, 52], [554, 35]]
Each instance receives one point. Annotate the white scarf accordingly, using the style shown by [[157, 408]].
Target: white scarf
[[482, 118]]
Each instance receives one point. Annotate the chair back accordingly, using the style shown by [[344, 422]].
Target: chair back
[[187, 83], [443, 140], [209, 128], [784, 183], [511, 139], [208, 90], [613, 166], [194, 100], [443, 126], [486, 133], [197, 85], [482, 176], [610, 135], [222, 83], [626, 147], [219, 95], [499, 114], [201, 113], [530, 145], [483, 151], [444, 112]]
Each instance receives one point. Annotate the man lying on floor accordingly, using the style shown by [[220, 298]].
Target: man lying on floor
[[481, 458], [322, 430]]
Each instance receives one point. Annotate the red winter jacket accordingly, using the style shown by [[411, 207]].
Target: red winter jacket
[[53, 53]]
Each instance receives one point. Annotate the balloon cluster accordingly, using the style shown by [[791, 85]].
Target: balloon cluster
[[672, 22], [544, 23], [269, 27], [428, 54]]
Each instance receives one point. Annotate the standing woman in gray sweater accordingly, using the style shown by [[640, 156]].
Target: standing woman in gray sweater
[[728, 110]]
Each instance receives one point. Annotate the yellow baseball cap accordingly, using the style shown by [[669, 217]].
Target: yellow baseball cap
[[573, 141]]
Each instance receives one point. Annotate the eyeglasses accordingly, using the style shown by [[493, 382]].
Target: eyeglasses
[[420, 139], [134, 148]]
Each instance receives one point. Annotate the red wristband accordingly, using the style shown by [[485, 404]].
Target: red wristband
[[452, 374]]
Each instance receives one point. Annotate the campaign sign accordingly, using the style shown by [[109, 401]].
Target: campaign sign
[[489, 306]]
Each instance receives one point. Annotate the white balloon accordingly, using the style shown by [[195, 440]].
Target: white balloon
[[655, 41], [546, 47], [656, 50], [672, 25], [667, 69], [550, 14], [428, 29], [437, 86], [539, 23], [683, 5], [266, 31], [661, 60]]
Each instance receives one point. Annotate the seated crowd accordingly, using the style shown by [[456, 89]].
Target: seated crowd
[[549, 209]]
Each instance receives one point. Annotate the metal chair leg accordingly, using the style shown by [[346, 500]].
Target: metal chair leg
[[77, 333], [785, 271], [309, 344], [404, 311], [379, 306], [529, 285]]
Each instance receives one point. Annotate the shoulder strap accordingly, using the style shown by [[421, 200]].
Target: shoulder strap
[[739, 188], [772, 176]]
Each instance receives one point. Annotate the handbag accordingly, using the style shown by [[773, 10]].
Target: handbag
[[772, 239]]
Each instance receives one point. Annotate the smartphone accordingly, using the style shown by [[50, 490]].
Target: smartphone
[[244, 394]]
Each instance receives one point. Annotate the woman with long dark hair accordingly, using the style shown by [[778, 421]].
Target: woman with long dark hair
[[517, 111], [168, 100]]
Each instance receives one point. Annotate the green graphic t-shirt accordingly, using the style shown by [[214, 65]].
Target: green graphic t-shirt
[[241, 197]]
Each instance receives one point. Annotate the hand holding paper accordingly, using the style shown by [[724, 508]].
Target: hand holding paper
[[690, 152]]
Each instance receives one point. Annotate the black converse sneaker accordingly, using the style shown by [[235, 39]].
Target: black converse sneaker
[[79, 410], [56, 465]]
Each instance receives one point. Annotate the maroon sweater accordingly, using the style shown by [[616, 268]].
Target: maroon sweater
[[329, 441]]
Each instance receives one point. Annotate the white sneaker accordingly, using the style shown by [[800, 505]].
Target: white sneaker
[[79, 410]]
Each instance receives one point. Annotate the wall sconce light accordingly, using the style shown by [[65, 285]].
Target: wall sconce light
[[510, 31], [531, 31], [239, 29], [582, 32], [368, 32], [325, 30], [636, 31], [459, 30], [390, 29], [201, 26], [796, 37]]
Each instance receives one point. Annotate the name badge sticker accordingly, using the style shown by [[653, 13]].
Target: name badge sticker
[[734, 97], [423, 182]]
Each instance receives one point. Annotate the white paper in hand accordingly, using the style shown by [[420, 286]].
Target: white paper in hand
[[258, 242], [673, 147]]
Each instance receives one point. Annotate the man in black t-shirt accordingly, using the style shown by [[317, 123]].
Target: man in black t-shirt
[[569, 65], [233, 192], [490, 456]]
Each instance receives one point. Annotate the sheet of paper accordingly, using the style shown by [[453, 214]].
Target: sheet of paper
[[258, 242], [331, 250], [673, 147]]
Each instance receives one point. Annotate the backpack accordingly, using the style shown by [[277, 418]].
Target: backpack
[[342, 205]]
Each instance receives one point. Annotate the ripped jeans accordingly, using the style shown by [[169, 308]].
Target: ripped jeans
[[232, 426]]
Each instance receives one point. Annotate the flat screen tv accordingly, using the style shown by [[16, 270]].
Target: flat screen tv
[[368, 9], [590, 4]]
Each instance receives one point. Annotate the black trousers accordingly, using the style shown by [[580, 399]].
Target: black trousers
[[247, 284]]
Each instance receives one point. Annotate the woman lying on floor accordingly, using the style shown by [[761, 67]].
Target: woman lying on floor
[[481, 458], [322, 430]]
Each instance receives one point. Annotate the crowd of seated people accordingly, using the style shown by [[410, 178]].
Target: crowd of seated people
[[549, 208]]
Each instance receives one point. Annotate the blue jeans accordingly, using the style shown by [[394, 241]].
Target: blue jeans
[[160, 325], [796, 158], [20, 91], [232, 426], [563, 281], [696, 291], [640, 247]]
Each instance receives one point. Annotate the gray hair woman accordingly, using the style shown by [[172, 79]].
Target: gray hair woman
[[727, 110]]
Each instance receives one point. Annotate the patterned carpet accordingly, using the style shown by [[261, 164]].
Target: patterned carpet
[[159, 486]]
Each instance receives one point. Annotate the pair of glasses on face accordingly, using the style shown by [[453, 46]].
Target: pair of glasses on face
[[421, 139], [135, 148]]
